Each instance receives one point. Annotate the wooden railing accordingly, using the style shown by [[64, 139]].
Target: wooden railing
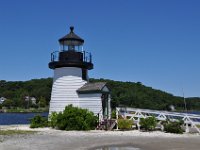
[[190, 120]]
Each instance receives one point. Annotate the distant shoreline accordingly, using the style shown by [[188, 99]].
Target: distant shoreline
[[22, 110], [39, 110]]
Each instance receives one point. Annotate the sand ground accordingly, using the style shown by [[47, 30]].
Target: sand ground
[[50, 139]]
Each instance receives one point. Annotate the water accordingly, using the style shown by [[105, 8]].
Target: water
[[195, 112], [24, 118], [18, 118], [118, 148]]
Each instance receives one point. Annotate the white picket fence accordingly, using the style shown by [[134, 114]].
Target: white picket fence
[[190, 120]]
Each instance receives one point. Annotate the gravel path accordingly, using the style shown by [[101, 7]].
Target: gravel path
[[49, 139]]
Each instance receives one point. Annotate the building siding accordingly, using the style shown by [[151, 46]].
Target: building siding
[[66, 82], [91, 102]]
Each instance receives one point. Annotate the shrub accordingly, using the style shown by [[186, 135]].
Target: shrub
[[198, 126], [173, 127], [38, 121], [113, 114], [53, 119], [125, 124], [74, 118], [148, 123]]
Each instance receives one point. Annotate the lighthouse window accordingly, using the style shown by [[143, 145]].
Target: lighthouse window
[[71, 47]]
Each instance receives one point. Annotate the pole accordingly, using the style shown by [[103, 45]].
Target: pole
[[185, 105]]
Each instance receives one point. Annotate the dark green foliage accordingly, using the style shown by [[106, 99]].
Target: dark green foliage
[[139, 96], [113, 114], [122, 94], [125, 124], [42, 102], [74, 118], [173, 127], [17, 90], [8, 103], [148, 124], [38, 122], [53, 119]]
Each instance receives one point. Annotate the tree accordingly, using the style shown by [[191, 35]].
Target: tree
[[129, 94], [42, 102], [8, 103]]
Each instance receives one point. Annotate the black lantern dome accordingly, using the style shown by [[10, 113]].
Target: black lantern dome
[[70, 54], [71, 39]]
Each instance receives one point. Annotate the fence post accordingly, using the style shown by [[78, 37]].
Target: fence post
[[117, 113], [138, 124], [187, 128]]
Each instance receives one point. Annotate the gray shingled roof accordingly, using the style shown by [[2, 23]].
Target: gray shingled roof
[[92, 87]]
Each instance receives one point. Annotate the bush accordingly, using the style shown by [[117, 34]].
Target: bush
[[148, 123], [125, 124], [38, 121], [53, 119], [173, 127], [113, 114], [73, 118]]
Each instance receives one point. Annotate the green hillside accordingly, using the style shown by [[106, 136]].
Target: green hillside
[[122, 94], [140, 96]]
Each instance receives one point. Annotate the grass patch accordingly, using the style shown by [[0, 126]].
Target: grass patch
[[198, 125], [30, 110], [15, 132]]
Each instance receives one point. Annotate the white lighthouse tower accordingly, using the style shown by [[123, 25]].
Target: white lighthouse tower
[[70, 80]]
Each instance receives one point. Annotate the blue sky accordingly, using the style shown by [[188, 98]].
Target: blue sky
[[154, 42]]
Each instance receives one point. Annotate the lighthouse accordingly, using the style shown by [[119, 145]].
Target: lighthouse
[[71, 81]]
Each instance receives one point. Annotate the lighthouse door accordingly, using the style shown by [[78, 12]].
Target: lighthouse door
[[105, 110]]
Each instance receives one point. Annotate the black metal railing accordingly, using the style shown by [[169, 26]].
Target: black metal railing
[[87, 56], [54, 56]]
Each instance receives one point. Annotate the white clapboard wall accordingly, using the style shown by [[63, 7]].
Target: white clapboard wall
[[65, 84], [91, 102]]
